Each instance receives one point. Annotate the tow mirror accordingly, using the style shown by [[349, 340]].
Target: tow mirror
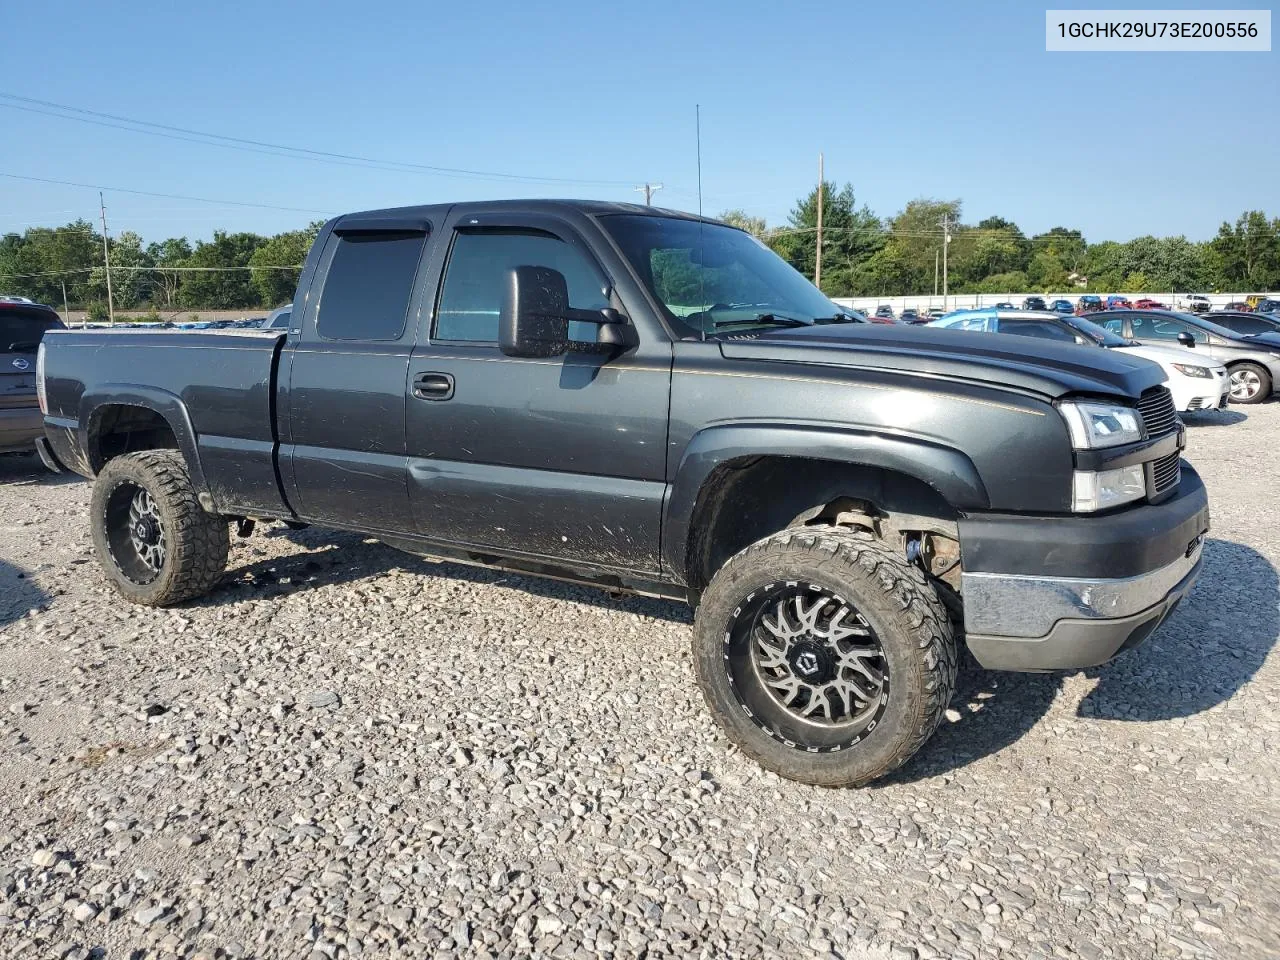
[[1186, 339], [534, 319]]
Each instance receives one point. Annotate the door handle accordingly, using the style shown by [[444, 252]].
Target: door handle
[[433, 386]]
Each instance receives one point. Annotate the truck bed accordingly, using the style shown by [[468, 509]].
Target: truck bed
[[216, 387]]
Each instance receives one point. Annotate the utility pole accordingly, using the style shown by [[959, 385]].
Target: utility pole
[[66, 310], [946, 239], [935, 273], [817, 260], [106, 261], [648, 189]]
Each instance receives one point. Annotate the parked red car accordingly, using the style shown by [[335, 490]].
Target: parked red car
[[1239, 307], [1147, 304]]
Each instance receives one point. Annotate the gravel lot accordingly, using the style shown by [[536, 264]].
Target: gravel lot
[[346, 751]]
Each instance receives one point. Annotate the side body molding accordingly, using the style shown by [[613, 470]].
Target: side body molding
[[948, 471]]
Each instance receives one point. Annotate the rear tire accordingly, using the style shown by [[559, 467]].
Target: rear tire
[[1250, 383], [156, 543], [825, 658]]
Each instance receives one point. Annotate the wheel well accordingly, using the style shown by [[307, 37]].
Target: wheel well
[[117, 429], [746, 499]]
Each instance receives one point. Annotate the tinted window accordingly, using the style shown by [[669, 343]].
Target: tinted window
[[366, 292], [1245, 325], [25, 326], [1164, 328], [1037, 328], [476, 278]]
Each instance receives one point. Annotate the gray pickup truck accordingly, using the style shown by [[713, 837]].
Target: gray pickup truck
[[653, 402]]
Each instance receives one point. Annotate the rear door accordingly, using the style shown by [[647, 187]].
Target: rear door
[[562, 457], [343, 461]]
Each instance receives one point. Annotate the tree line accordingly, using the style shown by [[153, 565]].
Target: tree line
[[865, 255], [230, 271], [862, 255]]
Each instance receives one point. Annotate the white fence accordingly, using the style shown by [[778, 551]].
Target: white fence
[[965, 301]]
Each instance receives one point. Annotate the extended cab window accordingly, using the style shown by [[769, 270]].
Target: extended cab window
[[366, 292], [476, 278]]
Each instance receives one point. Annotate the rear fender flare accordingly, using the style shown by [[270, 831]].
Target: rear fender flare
[[948, 471], [168, 405]]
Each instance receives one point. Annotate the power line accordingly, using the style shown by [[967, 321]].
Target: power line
[[165, 196], [187, 134]]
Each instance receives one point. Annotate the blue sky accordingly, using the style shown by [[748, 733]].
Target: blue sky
[[906, 100]]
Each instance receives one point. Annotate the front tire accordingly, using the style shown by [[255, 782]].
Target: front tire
[[1250, 383], [824, 657], [156, 543]]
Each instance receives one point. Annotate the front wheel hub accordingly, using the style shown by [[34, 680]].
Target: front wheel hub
[[806, 666]]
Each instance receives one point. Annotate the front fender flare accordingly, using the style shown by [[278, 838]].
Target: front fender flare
[[946, 470], [168, 405]]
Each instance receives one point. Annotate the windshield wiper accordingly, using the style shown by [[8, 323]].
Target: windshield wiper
[[772, 319], [839, 318]]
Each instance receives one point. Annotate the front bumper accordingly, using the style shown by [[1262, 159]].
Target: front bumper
[[19, 427], [1072, 592], [1193, 394]]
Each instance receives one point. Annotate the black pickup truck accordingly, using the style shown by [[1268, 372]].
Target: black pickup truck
[[652, 402]]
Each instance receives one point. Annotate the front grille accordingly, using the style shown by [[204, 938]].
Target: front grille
[[1166, 472], [1158, 413], [1196, 404]]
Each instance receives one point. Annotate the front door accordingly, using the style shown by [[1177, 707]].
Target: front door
[[563, 457]]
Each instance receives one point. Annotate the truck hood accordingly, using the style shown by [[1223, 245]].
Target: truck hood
[[1036, 366]]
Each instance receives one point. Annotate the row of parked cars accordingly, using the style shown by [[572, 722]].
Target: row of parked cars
[[1210, 359], [1086, 304], [278, 319]]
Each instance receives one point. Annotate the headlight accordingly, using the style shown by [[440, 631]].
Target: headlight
[[1102, 489], [1095, 425], [1187, 370]]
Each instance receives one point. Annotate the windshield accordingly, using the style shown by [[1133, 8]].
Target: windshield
[[710, 277], [1098, 334]]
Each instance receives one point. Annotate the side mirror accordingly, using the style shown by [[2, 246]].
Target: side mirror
[[1186, 339], [534, 319]]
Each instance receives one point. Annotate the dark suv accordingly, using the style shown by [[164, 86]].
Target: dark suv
[[1253, 360], [22, 326]]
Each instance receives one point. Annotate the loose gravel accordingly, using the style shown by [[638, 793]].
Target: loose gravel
[[349, 752]]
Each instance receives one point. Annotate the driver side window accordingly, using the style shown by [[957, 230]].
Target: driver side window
[[475, 279]]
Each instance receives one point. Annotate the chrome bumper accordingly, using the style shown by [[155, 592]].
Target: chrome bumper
[[1009, 605]]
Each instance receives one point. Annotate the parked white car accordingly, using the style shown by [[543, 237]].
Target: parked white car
[[1195, 303], [1197, 382]]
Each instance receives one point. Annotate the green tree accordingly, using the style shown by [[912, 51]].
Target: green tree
[[850, 236], [276, 286], [129, 286], [222, 288], [1246, 256], [913, 247], [166, 282], [753, 225]]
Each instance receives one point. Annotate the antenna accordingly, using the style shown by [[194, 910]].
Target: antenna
[[702, 272]]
